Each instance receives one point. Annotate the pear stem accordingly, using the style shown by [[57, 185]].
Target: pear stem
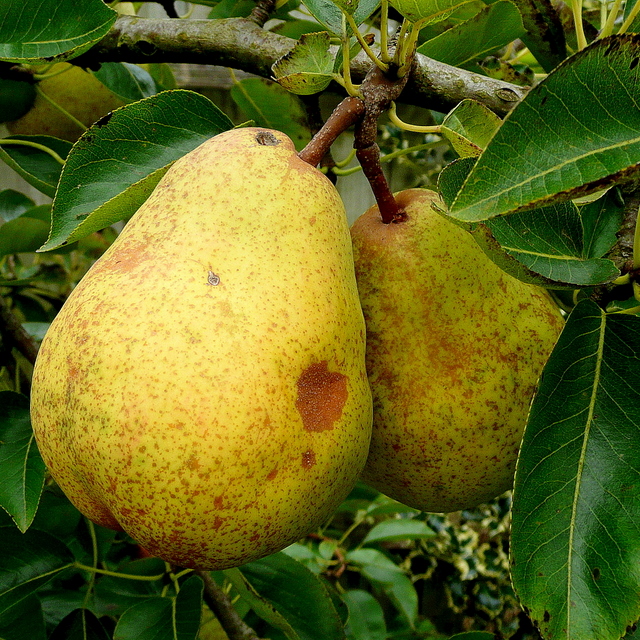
[[219, 602], [378, 90], [348, 112]]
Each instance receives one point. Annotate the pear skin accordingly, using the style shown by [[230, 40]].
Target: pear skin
[[455, 348], [75, 90], [204, 386]]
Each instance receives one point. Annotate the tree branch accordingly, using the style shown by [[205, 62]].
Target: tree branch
[[13, 335], [240, 43], [218, 601]]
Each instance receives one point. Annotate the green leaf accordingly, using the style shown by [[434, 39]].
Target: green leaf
[[544, 35], [469, 127], [113, 596], [51, 29], [118, 162], [16, 98], [548, 241], [22, 467], [80, 624], [492, 28], [426, 11], [37, 167], [297, 594], [399, 529], [544, 247], [24, 234], [366, 617], [168, 618], [260, 605], [271, 106], [308, 67], [574, 133], [601, 220], [28, 561], [473, 635], [576, 501], [26, 621], [13, 204], [129, 81], [327, 13], [384, 573]]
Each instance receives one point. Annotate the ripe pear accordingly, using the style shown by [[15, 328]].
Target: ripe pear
[[204, 386], [76, 91], [455, 347]]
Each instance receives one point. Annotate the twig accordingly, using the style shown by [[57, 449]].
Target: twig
[[348, 112], [261, 12], [14, 335], [218, 601], [378, 90]]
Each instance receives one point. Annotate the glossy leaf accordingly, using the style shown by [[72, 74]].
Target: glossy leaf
[[13, 204], [544, 247], [260, 605], [23, 621], [574, 133], [51, 29], [271, 106], [601, 220], [426, 11], [80, 624], [308, 67], [544, 35], [168, 618], [113, 595], [122, 157], [492, 28], [24, 234], [576, 502], [469, 127], [21, 466], [366, 617], [37, 167], [129, 81], [327, 13], [28, 561], [384, 573], [297, 594], [399, 529]]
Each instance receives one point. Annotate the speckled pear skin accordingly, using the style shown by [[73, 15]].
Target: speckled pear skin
[[455, 348], [204, 386]]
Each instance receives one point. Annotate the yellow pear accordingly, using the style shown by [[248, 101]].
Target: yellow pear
[[455, 348], [78, 92], [204, 386]]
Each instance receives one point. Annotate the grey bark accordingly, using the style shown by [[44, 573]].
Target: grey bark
[[241, 44]]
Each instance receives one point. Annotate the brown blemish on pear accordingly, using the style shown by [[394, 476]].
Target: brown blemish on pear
[[321, 396]]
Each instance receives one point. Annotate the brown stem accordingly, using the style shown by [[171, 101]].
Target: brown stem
[[378, 90], [218, 601], [13, 334], [348, 112], [261, 12]]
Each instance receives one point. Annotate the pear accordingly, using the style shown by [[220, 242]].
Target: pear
[[204, 387], [78, 92], [455, 347]]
